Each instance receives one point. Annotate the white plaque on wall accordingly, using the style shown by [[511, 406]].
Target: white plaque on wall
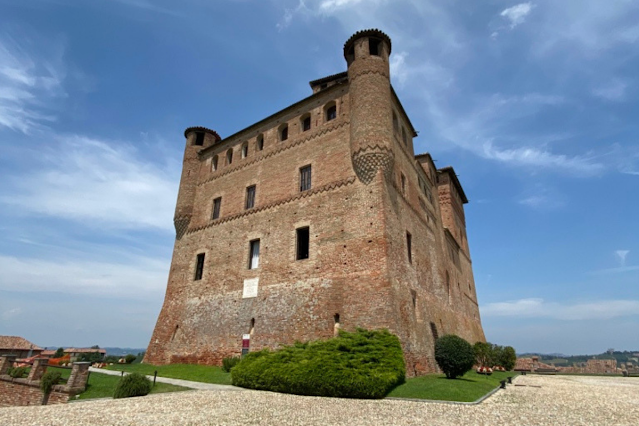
[[250, 288]]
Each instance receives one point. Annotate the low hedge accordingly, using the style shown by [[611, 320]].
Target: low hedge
[[363, 364], [134, 384]]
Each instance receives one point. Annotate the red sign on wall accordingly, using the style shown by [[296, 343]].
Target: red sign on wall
[[246, 343]]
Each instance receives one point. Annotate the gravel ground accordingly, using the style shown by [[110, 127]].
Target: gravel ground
[[544, 400]]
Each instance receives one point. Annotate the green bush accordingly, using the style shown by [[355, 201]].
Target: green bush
[[59, 353], [363, 364], [49, 379], [129, 358], [490, 355], [484, 355], [17, 372], [454, 355], [134, 384], [228, 363]]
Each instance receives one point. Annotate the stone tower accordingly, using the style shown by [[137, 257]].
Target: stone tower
[[316, 218]]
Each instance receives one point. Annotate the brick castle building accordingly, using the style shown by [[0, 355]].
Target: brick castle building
[[316, 218]]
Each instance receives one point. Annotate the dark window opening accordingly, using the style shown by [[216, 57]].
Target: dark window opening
[[306, 124], [403, 179], [229, 156], [284, 133], [374, 46], [250, 197], [217, 204], [409, 248], [395, 122], [260, 143], [244, 150], [331, 113], [305, 178], [199, 267], [199, 138], [252, 326], [177, 327], [254, 254], [413, 295], [303, 237], [214, 164], [336, 326], [433, 329]]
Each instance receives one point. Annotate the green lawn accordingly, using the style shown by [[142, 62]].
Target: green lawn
[[103, 386], [196, 373], [468, 388]]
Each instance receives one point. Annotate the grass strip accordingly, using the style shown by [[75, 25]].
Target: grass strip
[[468, 388], [195, 373], [103, 386]]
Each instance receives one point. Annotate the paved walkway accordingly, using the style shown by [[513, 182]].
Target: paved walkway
[[177, 382]]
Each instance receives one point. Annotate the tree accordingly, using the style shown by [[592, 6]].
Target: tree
[[59, 353], [508, 358], [483, 354], [454, 355]]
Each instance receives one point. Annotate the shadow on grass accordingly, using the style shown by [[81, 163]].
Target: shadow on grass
[[458, 378]]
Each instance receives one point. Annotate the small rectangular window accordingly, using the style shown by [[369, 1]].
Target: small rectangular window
[[254, 254], [199, 267], [250, 197], [199, 138], [306, 124], [433, 330], [217, 204], [305, 178], [303, 237], [409, 248]]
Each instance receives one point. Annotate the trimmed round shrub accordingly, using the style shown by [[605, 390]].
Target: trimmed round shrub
[[454, 355], [134, 384], [363, 364], [48, 380], [229, 363]]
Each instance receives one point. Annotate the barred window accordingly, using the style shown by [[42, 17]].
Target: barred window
[[254, 254], [306, 123], [199, 267], [250, 197], [217, 204], [305, 178]]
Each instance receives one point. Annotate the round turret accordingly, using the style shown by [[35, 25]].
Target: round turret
[[367, 53], [197, 138]]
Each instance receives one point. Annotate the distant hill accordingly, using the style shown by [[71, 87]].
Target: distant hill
[[123, 351], [631, 357]]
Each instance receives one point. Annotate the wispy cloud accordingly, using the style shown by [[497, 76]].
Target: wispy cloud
[[97, 183], [539, 308], [31, 79], [614, 91], [541, 198], [517, 14], [621, 255], [133, 280], [11, 313]]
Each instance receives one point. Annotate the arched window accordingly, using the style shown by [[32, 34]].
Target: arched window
[[330, 111], [305, 122], [214, 163], [337, 325], [284, 132], [260, 142], [229, 156], [252, 326], [244, 149]]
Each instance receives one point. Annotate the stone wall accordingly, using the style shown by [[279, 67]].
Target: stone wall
[[26, 391]]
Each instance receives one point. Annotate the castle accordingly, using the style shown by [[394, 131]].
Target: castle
[[316, 218]]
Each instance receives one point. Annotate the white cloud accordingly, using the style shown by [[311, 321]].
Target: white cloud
[[539, 308], [622, 254], [97, 183], [516, 15], [31, 81], [533, 157], [614, 90], [136, 280], [11, 313], [333, 5]]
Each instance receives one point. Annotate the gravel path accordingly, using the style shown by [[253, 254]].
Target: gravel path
[[544, 400], [178, 382]]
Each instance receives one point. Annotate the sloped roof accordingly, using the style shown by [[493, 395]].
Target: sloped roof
[[17, 343]]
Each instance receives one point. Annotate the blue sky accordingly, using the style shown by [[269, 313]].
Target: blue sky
[[533, 103]]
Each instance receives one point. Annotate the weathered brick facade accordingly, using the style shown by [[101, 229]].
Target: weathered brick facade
[[370, 198]]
